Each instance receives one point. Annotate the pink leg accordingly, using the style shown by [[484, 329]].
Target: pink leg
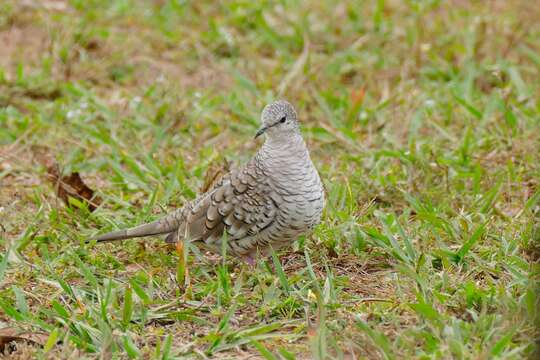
[[250, 260]]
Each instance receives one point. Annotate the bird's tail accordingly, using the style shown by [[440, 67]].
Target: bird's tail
[[165, 225]]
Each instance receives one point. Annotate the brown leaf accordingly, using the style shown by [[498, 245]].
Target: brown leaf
[[214, 173], [73, 186], [66, 185], [9, 334]]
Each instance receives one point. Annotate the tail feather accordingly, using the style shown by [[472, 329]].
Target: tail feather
[[164, 225]]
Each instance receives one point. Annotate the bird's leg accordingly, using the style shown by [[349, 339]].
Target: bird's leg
[[182, 272], [250, 259]]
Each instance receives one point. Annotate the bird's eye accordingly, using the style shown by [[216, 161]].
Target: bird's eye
[[282, 120]]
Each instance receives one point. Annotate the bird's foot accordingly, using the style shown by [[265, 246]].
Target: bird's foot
[[250, 259]]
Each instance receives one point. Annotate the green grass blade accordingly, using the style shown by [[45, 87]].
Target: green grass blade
[[263, 351], [127, 311], [281, 274], [467, 246]]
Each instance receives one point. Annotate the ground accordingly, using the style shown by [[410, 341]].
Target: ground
[[423, 118]]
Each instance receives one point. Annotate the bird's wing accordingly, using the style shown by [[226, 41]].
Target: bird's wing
[[241, 204]]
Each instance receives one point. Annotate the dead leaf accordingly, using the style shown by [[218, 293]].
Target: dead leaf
[[66, 185], [215, 172], [9, 335]]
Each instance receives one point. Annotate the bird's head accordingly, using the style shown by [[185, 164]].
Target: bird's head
[[278, 120]]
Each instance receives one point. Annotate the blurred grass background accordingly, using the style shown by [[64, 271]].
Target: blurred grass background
[[423, 118]]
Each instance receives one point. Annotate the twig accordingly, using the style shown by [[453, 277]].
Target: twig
[[373, 299]]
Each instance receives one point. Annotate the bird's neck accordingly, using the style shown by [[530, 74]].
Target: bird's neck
[[288, 147], [286, 142]]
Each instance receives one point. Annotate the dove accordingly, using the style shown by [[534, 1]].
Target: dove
[[266, 204]]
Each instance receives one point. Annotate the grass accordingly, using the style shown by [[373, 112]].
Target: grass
[[422, 116]]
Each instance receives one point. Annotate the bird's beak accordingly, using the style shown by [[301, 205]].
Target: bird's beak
[[260, 132]]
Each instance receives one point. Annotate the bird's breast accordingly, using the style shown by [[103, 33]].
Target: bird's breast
[[295, 185], [302, 198]]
